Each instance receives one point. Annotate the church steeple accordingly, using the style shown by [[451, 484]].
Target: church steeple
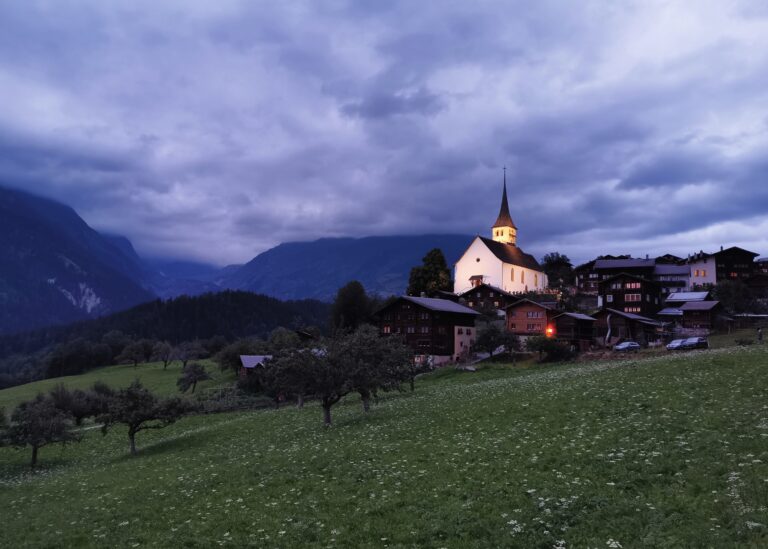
[[504, 230]]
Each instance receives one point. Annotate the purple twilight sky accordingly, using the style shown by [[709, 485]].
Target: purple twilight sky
[[214, 130]]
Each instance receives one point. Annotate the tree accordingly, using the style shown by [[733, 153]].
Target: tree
[[330, 382], [559, 270], [164, 352], [191, 375], [38, 423], [734, 296], [138, 409], [132, 353], [189, 350], [117, 341], [550, 350], [291, 372], [77, 403], [489, 338], [351, 306], [432, 276], [283, 338]]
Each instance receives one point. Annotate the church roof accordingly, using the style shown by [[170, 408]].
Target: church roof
[[509, 253], [504, 219]]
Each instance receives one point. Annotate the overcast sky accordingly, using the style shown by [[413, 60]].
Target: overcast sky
[[214, 130]]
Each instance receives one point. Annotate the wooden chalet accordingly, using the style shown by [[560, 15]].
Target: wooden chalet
[[249, 364], [700, 315], [613, 326], [485, 297], [574, 328], [630, 294], [529, 318], [438, 330]]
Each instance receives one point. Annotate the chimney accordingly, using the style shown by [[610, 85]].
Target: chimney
[[647, 256], [721, 247]]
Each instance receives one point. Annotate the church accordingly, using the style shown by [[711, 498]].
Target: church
[[497, 261]]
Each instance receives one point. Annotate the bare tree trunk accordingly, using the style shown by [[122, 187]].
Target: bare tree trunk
[[34, 457], [326, 414], [132, 437], [300, 401]]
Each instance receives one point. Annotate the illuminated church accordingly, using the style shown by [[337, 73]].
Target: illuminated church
[[497, 261]]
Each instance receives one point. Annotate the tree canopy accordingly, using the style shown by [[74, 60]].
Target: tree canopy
[[431, 276], [559, 270]]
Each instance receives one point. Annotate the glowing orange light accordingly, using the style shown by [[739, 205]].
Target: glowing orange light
[[550, 331]]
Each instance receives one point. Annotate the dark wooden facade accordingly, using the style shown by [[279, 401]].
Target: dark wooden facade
[[432, 327], [574, 328], [630, 294], [735, 264], [701, 315], [484, 297], [620, 326]]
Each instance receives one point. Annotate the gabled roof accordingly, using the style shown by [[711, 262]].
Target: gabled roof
[[253, 361], [524, 300], [627, 275], [632, 316], [625, 263], [736, 249], [687, 296], [504, 219], [489, 286], [670, 311], [668, 269], [442, 305], [699, 305], [509, 253], [577, 316]]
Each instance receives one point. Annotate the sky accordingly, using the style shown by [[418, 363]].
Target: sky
[[213, 131]]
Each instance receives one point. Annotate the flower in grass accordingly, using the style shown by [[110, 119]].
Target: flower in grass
[[613, 543]]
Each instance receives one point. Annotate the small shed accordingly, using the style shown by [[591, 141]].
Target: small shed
[[700, 314], [249, 363], [575, 328]]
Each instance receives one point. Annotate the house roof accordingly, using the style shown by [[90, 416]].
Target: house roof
[[687, 296], [504, 219], [442, 305], [253, 361], [627, 275], [699, 305], [631, 263], [577, 316], [509, 253], [736, 249], [525, 299], [632, 316], [670, 311], [489, 286], [668, 269]]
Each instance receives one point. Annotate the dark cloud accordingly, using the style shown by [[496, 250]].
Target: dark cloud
[[215, 130]]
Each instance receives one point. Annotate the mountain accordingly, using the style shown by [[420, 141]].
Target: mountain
[[55, 269], [318, 269]]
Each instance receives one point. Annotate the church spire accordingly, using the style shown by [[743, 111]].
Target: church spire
[[504, 230]]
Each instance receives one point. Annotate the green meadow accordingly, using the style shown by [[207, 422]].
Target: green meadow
[[667, 451]]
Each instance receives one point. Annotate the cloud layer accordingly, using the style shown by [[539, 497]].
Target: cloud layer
[[214, 130]]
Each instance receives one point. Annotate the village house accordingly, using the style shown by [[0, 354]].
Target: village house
[[732, 263], [613, 326], [700, 315], [664, 270], [528, 318], [484, 297], [630, 294], [498, 261], [249, 364], [438, 330], [574, 328]]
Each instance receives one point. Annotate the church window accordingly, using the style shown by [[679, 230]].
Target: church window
[[512, 275], [522, 277], [478, 260], [535, 279]]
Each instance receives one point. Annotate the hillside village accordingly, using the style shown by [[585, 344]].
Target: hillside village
[[610, 299]]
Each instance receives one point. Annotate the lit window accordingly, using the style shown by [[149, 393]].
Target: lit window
[[633, 297], [386, 329], [609, 298], [411, 329], [496, 304], [633, 285]]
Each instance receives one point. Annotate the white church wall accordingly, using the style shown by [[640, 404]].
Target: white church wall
[[477, 260]]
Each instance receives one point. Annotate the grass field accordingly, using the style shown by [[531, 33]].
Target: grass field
[[653, 452], [152, 375]]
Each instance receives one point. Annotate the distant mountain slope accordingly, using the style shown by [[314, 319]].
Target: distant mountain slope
[[55, 269], [318, 269]]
